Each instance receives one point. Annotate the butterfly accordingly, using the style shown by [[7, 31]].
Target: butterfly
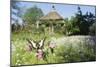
[[36, 44]]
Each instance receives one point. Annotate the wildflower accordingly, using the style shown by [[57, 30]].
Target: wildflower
[[17, 54], [39, 54], [52, 44], [21, 48], [19, 64], [18, 61], [13, 48]]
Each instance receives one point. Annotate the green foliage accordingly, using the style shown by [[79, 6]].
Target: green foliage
[[68, 26], [16, 10], [92, 29], [72, 54], [32, 14], [71, 26], [80, 24], [16, 16], [16, 27], [68, 52], [84, 21]]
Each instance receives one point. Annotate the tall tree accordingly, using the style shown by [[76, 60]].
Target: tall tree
[[15, 9], [16, 16], [74, 29], [92, 29], [84, 21], [81, 22], [32, 14]]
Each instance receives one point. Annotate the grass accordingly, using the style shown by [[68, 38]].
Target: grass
[[67, 52]]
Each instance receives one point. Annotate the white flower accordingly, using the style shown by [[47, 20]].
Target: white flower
[[17, 54], [13, 48], [18, 61], [19, 64]]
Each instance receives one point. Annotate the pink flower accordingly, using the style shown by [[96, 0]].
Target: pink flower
[[39, 54]]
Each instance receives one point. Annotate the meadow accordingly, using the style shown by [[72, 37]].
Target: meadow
[[68, 49]]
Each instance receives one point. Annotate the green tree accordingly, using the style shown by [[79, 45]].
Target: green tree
[[32, 14], [82, 22], [74, 25], [88, 20], [15, 9], [68, 27], [92, 29]]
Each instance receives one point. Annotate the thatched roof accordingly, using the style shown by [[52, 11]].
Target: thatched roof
[[53, 15]]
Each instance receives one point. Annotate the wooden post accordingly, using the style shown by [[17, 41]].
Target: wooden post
[[37, 24], [52, 28]]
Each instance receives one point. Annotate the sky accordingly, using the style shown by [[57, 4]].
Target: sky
[[65, 10]]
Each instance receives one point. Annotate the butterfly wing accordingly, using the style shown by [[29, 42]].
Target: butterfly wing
[[32, 43], [41, 43]]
